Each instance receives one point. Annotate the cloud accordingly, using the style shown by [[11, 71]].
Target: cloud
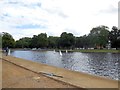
[[30, 17], [56, 11], [29, 26], [110, 10], [76, 33]]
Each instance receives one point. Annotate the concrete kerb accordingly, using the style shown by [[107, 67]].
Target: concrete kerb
[[44, 74]]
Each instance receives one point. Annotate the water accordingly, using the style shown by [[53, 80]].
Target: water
[[100, 64]]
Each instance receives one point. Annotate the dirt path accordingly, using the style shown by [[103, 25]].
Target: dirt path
[[16, 77]]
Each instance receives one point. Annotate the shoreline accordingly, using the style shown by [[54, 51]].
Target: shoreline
[[15, 76], [81, 79], [76, 50]]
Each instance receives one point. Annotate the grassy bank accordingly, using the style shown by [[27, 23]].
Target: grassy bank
[[93, 50], [97, 50]]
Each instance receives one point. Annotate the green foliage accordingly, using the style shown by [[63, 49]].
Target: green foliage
[[33, 43], [53, 42], [82, 42], [39, 41], [0, 40], [114, 37], [7, 40], [67, 40], [23, 42], [78, 42], [99, 36], [42, 40]]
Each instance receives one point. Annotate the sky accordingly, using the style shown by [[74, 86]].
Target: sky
[[25, 18]]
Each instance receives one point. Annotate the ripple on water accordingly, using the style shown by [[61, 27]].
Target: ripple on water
[[101, 64]]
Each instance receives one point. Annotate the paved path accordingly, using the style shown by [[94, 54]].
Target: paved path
[[74, 78], [0, 74], [17, 77]]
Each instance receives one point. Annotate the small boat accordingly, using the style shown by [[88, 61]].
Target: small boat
[[54, 51], [66, 51], [60, 53]]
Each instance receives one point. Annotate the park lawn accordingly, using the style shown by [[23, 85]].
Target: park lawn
[[90, 50], [97, 50]]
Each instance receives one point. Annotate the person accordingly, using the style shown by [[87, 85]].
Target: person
[[7, 51]]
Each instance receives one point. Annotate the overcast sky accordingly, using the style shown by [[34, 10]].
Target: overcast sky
[[23, 18]]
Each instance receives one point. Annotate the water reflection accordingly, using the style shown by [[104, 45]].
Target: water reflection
[[102, 64]]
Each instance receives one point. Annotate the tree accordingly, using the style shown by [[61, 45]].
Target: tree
[[42, 40], [39, 41], [0, 40], [7, 40], [34, 40], [78, 42], [53, 42], [99, 36], [23, 42], [114, 37], [67, 40], [85, 41]]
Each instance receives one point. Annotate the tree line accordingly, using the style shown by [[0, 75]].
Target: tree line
[[99, 37]]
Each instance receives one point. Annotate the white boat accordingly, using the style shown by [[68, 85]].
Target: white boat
[[60, 53], [54, 51], [66, 51]]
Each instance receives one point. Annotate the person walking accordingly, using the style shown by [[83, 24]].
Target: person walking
[[7, 51]]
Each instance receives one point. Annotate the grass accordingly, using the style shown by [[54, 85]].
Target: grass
[[92, 50], [98, 50]]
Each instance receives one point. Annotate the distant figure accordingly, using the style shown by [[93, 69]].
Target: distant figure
[[6, 51]]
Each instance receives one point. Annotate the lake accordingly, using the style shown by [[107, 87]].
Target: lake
[[100, 64]]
